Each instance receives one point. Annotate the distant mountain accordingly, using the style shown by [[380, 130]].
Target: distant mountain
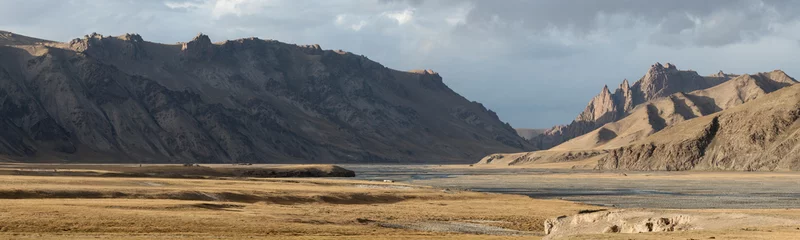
[[529, 133], [123, 99], [613, 145], [606, 107]]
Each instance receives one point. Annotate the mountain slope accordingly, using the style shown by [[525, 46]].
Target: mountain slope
[[659, 81], [123, 99], [9, 38], [653, 116], [650, 118], [763, 134]]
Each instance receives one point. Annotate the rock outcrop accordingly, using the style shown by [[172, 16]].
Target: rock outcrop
[[123, 99], [651, 221], [659, 81]]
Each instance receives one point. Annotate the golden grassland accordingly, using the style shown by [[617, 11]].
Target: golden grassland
[[89, 207]]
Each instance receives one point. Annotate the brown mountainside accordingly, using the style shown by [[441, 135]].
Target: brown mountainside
[[123, 99]]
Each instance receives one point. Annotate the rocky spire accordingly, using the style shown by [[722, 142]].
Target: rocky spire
[[719, 74], [623, 97], [625, 84], [133, 37], [600, 106], [199, 48]]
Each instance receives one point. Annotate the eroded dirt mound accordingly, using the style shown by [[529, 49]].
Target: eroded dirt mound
[[177, 171], [643, 221]]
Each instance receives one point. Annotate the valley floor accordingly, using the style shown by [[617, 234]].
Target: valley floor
[[80, 207], [621, 189]]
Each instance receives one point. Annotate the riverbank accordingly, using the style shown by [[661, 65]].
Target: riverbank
[[620, 189]]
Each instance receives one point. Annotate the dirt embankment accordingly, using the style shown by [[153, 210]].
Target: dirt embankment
[[651, 221], [177, 171]]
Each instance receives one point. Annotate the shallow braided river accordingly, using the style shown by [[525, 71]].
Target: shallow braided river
[[670, 190]]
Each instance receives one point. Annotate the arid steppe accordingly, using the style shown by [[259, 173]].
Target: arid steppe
[[108, 207], [81, 207]]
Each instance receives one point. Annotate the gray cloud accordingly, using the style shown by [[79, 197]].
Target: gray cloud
[[537, 63]]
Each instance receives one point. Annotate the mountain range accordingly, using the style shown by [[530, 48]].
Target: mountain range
[[659, 81], [123, 99], [678, 131]]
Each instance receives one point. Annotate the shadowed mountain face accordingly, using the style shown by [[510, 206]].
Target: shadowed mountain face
[[659, 81], [122, 99]]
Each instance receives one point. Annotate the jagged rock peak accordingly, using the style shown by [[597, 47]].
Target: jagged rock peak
[[625, 85], [133, 37], [659, 67], [424, 72], [200, 47], [656, 66], [201, 38], [312, 46], [311, 49], [605, 90], [720, 74], [94, 35]]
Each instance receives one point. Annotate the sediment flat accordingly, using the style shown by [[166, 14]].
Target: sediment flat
[[621, 189]]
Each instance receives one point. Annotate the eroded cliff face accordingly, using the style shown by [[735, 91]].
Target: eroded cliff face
[[659, 81], [760, 135], [123, 99]]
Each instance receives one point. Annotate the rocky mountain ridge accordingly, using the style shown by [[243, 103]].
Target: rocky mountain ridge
[[123, 99], [761, 135], [659, 81], [634, 142]]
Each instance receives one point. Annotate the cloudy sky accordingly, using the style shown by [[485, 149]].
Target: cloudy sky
[[536, 63]]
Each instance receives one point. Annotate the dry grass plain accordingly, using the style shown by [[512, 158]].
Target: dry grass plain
[[59, 207], [90, 207]]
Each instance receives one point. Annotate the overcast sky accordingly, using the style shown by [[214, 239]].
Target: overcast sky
[[536, 63]]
